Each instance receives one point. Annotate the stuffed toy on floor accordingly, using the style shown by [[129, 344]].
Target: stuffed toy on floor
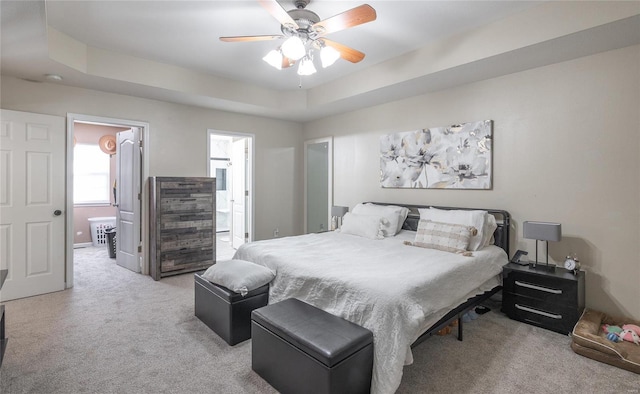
[[628, 332]]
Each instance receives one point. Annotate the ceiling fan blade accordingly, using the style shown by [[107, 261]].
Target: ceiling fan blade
[[347, 53], [249, 38], [276, 10], [353, 17]]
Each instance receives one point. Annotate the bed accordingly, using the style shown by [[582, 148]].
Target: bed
[[401, 293]]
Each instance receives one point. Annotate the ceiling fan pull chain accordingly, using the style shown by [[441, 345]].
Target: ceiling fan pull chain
[[300, 83]]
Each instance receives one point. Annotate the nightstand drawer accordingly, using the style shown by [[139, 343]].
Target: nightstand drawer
[[544, 288], [547, 315]]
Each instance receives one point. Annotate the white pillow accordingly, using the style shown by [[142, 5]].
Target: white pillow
[[239, 275], [443, 236], [475, 219], [367, 226], [394, 216]]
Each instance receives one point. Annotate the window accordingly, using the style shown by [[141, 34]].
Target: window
[[90, 175]]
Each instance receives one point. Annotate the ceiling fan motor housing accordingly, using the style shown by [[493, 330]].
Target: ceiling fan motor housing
[[305, 20]]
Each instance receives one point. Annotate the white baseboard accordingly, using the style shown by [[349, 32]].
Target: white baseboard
[[82, 245]]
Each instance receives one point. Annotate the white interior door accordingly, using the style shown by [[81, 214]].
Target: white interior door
[[238, 192], [32, 203], [128, 199], [318, 184]]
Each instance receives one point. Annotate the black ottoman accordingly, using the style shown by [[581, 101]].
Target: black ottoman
[[227, 313], [299, 348]]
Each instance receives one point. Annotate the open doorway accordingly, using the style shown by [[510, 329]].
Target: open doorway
[[231, 163], [105, 173], [94, 172]]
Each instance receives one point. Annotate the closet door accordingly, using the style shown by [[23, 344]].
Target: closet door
[[318, 184]]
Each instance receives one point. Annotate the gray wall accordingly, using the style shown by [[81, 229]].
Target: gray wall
[[178, 139], [566, 149]]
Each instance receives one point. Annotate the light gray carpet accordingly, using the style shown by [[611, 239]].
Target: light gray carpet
[[120, 332]]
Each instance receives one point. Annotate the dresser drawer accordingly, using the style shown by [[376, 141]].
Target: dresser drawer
[[547, 315], [197, 220], [186, 204], [186, 260], [544, 288], [185, 244], [193, 185]]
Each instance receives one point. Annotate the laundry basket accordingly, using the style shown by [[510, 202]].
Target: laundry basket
[[111, 242], [98, 227]]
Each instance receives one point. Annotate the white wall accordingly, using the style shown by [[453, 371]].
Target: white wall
[[178, 141], [566, 149]]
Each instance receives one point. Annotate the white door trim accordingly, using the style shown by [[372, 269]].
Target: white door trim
[[238, 192], [144, 214], [251, 170]]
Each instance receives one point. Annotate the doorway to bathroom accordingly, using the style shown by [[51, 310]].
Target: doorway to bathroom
[[94, 173], [104, 176], [231, 163]]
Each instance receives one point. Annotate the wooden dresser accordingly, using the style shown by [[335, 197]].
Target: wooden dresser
[[182, 216]]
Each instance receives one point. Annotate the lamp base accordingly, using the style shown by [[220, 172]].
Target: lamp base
[[542, 266]]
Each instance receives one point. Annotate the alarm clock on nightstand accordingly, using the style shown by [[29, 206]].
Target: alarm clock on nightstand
[[572, 264]]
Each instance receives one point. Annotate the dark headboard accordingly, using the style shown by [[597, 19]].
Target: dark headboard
[[503, 219]]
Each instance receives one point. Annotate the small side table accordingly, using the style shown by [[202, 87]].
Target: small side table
[[550, 299]]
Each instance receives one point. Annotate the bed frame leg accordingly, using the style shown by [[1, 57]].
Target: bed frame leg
[[459, 328]]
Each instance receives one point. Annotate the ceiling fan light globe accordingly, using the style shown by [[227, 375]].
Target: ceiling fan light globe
[[274, 59], [293, 48], [328, 56], [306, 67]]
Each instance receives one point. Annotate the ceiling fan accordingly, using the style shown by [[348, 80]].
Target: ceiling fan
[[303, 32]]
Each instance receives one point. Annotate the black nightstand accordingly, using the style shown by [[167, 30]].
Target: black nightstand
[[550, 299]]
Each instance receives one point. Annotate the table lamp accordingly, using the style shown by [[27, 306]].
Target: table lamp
[[542, 231], [336, 214]]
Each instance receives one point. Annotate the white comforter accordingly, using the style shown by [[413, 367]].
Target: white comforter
[[396, 291]]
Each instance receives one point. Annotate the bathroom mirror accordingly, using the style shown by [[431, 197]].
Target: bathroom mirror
[[318, 184]]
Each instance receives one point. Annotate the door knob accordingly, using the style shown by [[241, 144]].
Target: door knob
[[57, 212]]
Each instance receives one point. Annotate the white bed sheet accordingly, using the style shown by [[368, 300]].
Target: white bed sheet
[[395, 290]]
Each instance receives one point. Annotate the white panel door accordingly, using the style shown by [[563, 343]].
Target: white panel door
[[238, 192], [32, 203], [128, 199]]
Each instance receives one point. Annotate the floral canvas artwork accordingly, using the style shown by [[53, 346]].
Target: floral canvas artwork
[[452, 157]]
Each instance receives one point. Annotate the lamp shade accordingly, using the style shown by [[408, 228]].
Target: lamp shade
[[274, 58], [328, 56], [293, 48], [339, 211], [306, 67], [542, 231]]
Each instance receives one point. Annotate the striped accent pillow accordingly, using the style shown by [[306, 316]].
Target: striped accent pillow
[[444, 236]]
